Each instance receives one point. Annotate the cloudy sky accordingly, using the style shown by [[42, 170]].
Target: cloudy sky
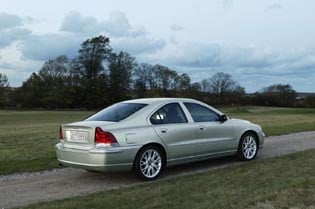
[[258, 42]]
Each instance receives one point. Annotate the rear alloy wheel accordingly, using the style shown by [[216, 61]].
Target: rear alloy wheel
[[149, 163], [248, 147]]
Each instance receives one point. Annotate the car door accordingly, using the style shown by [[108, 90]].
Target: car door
[[215, 135], [171, 125]]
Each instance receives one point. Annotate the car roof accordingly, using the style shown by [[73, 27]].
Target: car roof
[[162, 101], [159, 100]]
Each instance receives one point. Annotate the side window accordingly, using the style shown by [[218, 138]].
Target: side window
[[200, 113], [170, 113]]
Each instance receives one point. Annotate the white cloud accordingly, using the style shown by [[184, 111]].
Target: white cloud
[[74, 22], [11, 29], [176, 27], [9, 21], [48, 46], [172, 40], [226, 4], [207, 55], [138, 45], [11, 35], [253, 67], [74, 30], [117, 25], [274, 6], [23, 52], [15, 67]]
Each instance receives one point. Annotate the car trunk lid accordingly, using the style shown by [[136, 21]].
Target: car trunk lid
[[82, 133]]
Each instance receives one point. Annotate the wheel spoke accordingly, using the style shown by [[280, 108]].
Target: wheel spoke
[[150, 163], [249, 147]]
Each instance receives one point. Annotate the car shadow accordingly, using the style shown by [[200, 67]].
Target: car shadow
[[123, 178], [198, 167]]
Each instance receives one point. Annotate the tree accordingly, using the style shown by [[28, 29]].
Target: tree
[[182, 85], [3, 81], [120, 67], [205, 85], [310, 101], [163, 80], [183, 82], [221, 84], [92, 54], [278, 95], [4, 85], [142, 75], [90, 69], [54, 74], [54, 69], [31, 93], [194, 91]]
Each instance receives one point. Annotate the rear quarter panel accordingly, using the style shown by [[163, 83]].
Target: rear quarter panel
[[136, 136]]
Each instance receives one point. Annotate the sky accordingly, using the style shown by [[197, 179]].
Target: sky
[[259, 43]]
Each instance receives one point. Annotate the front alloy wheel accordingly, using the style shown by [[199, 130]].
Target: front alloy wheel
[[248, 147], [149, 163]]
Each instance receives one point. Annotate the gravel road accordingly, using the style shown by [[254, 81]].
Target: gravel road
[[25, 188]]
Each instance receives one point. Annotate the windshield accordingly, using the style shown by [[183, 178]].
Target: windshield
[[116, 112]]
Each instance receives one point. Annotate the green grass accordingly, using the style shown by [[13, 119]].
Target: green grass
[[282, 182], [276, 121], [27, 138]]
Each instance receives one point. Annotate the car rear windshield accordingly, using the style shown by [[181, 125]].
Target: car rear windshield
[[116, 112]]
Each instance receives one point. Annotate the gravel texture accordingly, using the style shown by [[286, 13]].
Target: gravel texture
[[26, 188]]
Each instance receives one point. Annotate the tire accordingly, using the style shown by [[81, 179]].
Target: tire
[[149, 163], [248, 147]]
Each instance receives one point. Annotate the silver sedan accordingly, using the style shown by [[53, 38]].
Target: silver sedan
[[147, 135]]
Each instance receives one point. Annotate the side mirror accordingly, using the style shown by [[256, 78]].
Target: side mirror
[[223, 118]]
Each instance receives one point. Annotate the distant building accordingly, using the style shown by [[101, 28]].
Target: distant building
[[302, 95]]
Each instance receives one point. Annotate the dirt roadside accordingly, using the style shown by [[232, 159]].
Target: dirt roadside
[[25, 188]]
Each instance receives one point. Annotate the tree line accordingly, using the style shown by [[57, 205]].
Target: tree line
[[98, 77]]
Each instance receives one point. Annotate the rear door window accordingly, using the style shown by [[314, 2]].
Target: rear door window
[[170, 113]]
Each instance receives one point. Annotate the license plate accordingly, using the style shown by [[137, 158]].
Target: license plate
[[81, 136]]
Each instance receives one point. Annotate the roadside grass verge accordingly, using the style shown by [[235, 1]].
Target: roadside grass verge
[[281, 182], [27, 138]]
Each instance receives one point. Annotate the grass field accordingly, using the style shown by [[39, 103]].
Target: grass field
[[275, 120], [265, 184], [27, 138]]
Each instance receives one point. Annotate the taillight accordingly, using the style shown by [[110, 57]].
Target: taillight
[[60, 133], [103, 137]]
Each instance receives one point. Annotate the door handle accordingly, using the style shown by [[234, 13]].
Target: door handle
[[163, 130], [202, 128]]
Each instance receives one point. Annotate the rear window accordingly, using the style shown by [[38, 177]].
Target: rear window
[[116, 112]]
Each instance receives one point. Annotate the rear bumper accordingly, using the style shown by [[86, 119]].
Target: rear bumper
[[98, 159]]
